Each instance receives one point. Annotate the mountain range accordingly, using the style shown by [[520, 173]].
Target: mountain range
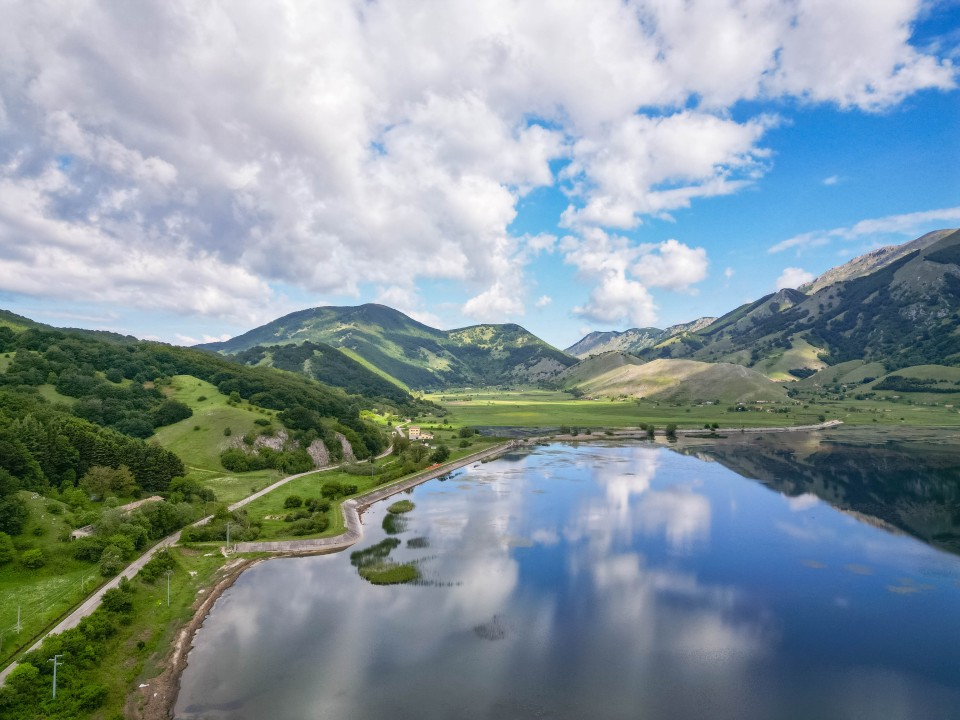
[[899, 306], [894, 307], [409, 353]]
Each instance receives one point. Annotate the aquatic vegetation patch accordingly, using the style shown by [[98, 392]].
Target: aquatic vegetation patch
[[374, 566], [394, 524], [418, 543], [390, 573], [400, 507]]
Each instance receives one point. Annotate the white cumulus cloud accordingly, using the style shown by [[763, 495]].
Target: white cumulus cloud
[[194, 157], [793, 277], [624, 272]]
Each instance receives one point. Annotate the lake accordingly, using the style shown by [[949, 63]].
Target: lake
[[768, 577]]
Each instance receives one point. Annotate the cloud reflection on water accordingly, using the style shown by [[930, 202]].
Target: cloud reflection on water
[[615, 578]]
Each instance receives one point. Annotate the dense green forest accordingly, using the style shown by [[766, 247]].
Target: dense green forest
[[329, 366]]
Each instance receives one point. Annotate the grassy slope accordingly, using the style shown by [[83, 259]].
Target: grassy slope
[[46, 593], [50, 394], [373, 368], [801, 355], [200, 449], [685, 380], [595, 366]]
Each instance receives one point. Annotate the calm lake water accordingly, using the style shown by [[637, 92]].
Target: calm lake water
[[631, 581]]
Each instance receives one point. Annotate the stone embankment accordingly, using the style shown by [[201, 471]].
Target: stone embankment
[[352, 509]]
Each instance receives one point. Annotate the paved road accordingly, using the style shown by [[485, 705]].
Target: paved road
[[93, 602], [352, 510]]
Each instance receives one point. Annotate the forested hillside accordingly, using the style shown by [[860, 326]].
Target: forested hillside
[[408, 352], [72, 401]]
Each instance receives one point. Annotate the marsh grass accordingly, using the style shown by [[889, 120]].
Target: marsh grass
[[374, 566]]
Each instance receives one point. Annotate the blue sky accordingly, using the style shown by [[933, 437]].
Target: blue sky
[[187, 173]]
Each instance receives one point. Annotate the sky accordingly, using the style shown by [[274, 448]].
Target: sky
[[187, 171]]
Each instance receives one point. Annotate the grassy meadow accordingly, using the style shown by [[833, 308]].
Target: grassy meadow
[[199, 440], [537, 408], [45, 593]]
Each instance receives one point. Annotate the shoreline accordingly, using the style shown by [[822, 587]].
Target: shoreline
[[155, 700], [158, 699], [159, 704]]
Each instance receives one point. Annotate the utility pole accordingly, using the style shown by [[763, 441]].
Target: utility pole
[[56, 663], [18, 619], [169, 573], [228, 536]]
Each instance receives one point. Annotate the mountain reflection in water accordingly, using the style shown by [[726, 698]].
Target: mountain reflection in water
[[905, 479], [616, 582]]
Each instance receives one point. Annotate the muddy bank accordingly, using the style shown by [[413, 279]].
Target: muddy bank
[[156, 700]]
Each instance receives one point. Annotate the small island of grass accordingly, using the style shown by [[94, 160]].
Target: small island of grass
[[401, 506], [389, 573], [374, 566]]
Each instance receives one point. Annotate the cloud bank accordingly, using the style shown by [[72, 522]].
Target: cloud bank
[[197, 157]]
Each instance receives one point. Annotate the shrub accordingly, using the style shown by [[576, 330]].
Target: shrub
[[7, 551], [117, 601], [33, 558], [317, 505], [332, 490], [161, 561], [309, 526], [13, 514], [440, 454], [293, 501], [227, 432], [111, 561]]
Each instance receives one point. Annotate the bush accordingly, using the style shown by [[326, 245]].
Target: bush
[[293, 501], [117, 601], [33, 558], [309, 526], [317, 505], [13, 514], [332, 490], [111, 561], [161, 561], [227, 432], [7, 551]]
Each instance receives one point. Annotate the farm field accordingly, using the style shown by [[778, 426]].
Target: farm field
[[533, 408]]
